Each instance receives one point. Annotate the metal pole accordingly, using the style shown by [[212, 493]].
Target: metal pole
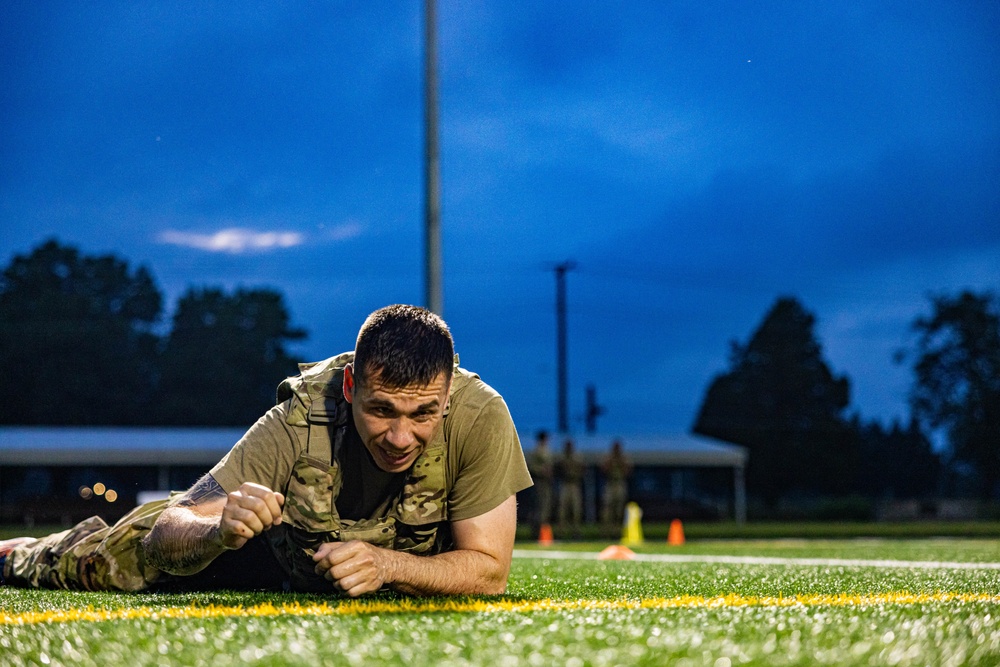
[[739, 496], [561, 400], [434, 294]]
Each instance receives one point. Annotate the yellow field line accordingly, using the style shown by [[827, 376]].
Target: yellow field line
[[355, 607]]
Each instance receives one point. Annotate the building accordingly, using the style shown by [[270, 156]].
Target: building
[[675, 476], [65, 474]]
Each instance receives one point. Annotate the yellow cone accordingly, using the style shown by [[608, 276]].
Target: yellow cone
[[632, 526]]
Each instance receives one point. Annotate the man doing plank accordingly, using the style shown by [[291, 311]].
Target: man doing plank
[[388, 466]]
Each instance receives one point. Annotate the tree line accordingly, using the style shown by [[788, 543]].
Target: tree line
[[780, 399], [79, 346]]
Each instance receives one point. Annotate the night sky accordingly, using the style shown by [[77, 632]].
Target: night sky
[[697, 160]]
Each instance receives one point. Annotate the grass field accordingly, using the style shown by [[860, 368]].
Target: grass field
[[713, 602]]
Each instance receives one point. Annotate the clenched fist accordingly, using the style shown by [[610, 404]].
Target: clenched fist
[[355, 567], [249, 511]]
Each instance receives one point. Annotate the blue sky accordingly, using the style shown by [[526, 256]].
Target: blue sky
[[696, 160]]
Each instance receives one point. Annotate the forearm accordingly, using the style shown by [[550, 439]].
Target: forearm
[[182, 542], [479, 564], [461, 572]]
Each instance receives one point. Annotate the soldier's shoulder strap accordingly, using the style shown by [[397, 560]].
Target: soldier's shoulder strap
[[317, 392]]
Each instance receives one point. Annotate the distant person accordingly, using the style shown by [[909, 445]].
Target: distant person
[[569, 470], [617, 469], [542, 468], [386, 467]]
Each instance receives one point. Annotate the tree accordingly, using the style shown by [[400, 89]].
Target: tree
[[899, 462], [225, 357], [957, 383], [781, 400], [76, 339]]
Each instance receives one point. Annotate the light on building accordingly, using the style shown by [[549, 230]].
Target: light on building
[[99, 489], [86, 492], [111, 495]]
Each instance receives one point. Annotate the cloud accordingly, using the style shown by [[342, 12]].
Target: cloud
[[234, 240], [238, 240], [343, 232]]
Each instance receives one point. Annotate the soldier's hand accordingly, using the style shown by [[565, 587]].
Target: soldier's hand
[[249, 511], [354, 567]]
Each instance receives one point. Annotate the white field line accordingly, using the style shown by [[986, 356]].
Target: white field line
[[764, 560]]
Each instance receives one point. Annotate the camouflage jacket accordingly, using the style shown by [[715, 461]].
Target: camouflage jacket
[[415, 520], [540, 464]]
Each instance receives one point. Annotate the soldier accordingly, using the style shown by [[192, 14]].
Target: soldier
[[570, 470], [541, 468], [388, 466], [616, 468]]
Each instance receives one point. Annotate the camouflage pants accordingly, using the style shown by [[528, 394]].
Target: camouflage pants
[[615, 495], [89, 556], [92, 556], [543, 490], [570, 505]]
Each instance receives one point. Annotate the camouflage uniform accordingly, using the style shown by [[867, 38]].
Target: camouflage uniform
[[571, 470], [92, 556], [415, 521], [540, 463], [616, 471], [89, 556]]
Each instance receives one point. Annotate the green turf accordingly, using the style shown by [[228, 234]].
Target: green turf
[[760, 530], [798, 529], [948, 633], [938, 549]]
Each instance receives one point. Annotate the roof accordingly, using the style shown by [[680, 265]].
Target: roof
[[124, 446], [115, 445], [680, 449]]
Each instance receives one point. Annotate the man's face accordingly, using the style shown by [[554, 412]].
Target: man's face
[[396, 423]]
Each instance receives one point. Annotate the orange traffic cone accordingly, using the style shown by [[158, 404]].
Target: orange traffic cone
[[616, 552], [675, 537], [545, 535]]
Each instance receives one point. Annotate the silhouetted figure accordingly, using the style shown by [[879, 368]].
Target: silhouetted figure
[[570, 472], [617, 469], [541, 464]]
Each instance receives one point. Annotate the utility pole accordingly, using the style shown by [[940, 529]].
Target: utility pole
[[561, 406], [593, 410], [434, 293]]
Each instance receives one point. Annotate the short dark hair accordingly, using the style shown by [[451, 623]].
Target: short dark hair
[[405, 346]]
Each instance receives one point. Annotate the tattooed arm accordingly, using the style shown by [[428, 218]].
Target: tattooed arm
[[206, 521]]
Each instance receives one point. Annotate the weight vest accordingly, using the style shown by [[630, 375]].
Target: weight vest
[[415, 520]]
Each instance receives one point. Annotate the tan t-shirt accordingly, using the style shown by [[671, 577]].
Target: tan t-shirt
[[485, 463]]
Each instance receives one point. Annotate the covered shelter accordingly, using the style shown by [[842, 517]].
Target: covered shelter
[[63, 474], [49, 474]]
